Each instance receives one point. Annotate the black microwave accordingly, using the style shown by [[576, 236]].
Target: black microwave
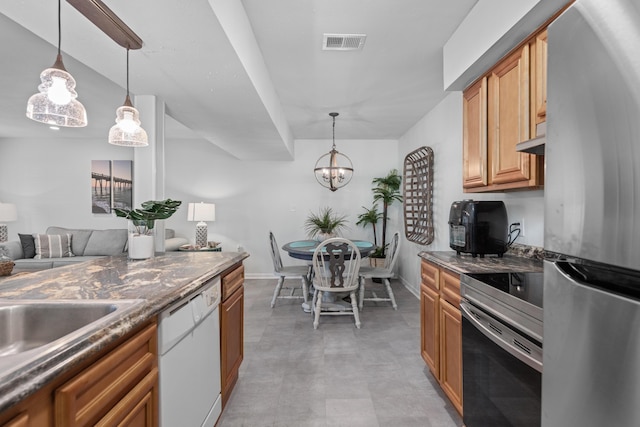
[[478, 227]]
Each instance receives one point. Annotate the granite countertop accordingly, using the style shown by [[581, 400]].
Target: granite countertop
[[465, 263], [157, 282]]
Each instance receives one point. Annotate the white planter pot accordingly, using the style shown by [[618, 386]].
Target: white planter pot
[[141, 246], [321, 237]]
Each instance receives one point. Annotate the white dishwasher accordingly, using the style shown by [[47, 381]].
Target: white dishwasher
[[189, 361]]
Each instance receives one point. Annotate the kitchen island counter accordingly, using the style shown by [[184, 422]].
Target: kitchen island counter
[[157, 282]]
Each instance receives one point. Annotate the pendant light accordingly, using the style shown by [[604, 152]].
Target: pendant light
[[333, 170], [56, 103], [127, 131]]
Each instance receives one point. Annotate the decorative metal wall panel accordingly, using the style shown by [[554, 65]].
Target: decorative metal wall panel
[[418, 196]]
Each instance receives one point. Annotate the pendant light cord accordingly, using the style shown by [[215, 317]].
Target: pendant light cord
[[59, 28], [127, 72], [334, 132]]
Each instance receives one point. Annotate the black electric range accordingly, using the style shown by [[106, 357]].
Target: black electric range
[[515, 297]]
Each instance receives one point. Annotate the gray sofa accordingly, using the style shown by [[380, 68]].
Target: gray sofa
[[86, 244]]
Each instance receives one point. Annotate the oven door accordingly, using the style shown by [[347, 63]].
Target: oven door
[[502, 372]]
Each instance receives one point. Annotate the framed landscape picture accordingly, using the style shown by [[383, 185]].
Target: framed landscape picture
[[111, 185], [122, 183], [101, 186]]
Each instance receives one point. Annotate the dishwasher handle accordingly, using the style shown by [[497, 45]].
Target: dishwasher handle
[[505, 337]]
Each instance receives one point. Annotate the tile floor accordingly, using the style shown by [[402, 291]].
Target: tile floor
[[337, 375]]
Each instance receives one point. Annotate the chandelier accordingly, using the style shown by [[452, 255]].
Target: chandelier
[[333, 170]]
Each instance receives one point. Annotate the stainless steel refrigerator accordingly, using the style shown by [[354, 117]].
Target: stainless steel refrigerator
[[591, 355]]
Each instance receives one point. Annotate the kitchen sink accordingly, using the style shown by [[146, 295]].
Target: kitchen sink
[[33, 329]]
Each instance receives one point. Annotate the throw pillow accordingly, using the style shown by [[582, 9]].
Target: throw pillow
[[52, 245], [28, 246]]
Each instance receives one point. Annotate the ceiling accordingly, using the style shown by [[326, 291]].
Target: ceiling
[[249, 76]]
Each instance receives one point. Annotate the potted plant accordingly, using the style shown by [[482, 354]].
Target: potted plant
[[141, 242], [324, 224], [387, 190], [371, 216]]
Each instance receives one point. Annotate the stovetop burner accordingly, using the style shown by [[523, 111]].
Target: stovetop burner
[[525, 286]]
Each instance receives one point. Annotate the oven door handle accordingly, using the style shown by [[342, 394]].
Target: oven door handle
[[500, 340]]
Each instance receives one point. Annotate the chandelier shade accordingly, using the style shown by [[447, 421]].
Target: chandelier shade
[[56, 103], [127, 131], [333, 170]]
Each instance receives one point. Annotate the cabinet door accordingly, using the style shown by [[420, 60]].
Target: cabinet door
[[21, 420], [540, 79], [137, 408], [451, 353], [430, 329], [474, 145], [231, 340], [108, 383], [508, 118]]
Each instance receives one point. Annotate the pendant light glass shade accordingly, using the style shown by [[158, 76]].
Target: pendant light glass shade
[[333, 170], [56, 102], [127, 131]]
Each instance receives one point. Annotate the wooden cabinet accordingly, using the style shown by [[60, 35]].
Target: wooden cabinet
[[497, 116], [20, 420], [119, 389], [441, 329], [451, 353], [539, 65], [231, 328], [430, 336], [116, 388], [474, 145]]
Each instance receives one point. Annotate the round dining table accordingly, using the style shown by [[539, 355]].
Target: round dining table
[[303, 249]]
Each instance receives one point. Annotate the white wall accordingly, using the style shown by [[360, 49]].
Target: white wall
[[441, 129], [253, 197], [49, 182]]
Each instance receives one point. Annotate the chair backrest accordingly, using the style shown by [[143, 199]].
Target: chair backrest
[[336, 265], [392, 252], [275, 253]]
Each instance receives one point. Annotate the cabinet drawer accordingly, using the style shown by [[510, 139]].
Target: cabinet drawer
[[430, 275], [450, 288], [90, 395], [232, 281]]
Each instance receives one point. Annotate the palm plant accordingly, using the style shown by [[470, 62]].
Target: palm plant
[[324, 222], [370, 216], [387, 190]]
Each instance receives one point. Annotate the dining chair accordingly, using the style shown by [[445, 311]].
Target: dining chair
[[287, 272], [336, 266], [384, 273]]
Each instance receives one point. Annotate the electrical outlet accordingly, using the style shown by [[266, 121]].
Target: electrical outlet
[[522, 227]]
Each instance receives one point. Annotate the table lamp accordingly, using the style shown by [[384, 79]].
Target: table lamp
[[201, 212], [8, 213]]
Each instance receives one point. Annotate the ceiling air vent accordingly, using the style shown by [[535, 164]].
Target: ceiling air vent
[[343, 41]]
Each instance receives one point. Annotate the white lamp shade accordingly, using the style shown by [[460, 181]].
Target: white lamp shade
[[8, 212], [201, 212]]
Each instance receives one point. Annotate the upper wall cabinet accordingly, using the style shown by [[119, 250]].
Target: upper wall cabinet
[[539, 108], [500, 110]]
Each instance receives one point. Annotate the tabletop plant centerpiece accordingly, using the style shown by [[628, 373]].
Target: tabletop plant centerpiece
[[324, 224], [141, 241], [387, 191]]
